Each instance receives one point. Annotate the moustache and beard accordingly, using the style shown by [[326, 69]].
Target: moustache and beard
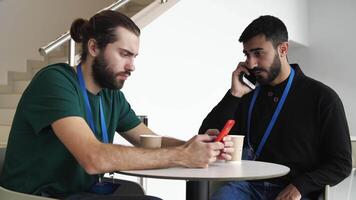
[[272, 73], [104, 76]]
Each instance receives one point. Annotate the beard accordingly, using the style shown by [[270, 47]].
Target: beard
[[272, 73], [103, 76]]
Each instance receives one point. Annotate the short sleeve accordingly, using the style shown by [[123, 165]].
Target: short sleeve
[[127, 119], [51, 95]]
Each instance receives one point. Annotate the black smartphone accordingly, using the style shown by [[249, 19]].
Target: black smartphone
[[248, 80]]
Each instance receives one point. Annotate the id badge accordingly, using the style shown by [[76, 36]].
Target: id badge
[[104, 187], [248, 153]]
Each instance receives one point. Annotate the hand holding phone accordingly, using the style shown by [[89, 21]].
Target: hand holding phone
[[248, 80], [225, 131]]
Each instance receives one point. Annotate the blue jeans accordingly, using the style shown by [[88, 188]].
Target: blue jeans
[[244, 190]]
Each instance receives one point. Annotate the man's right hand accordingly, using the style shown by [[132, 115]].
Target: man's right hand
[[200, 151], [237, 88]]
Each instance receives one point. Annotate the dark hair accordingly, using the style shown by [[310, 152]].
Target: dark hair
[[100, 27], [269, 26]]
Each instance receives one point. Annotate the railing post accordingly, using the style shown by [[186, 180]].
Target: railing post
[[164, 1], [71, 53]]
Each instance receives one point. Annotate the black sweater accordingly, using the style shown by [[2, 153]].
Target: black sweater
[[310, 135]]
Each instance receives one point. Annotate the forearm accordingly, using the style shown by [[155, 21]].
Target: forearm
[[171, 142], [197, 152], [110, 158], [133, 136], [318, 179]]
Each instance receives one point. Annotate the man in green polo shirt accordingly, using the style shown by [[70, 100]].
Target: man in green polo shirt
[[62, 133]]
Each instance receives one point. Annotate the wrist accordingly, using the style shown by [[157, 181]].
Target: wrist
[[238, 94], [179, 155]]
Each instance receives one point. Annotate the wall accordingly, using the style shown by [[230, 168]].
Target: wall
[[186, 59], [188, 54], [329, 56], [27, 25]]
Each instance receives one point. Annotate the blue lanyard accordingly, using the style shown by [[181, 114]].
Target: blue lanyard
[[88, 108], [274, 117]]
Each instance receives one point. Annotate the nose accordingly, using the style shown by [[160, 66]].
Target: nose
[[251, 62], [130, 65]]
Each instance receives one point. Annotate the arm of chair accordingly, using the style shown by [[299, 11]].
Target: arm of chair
[[338, 191]]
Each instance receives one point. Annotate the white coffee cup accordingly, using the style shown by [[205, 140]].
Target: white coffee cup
[[238, 141], [150, 141]]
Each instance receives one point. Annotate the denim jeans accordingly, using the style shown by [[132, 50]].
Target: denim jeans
[[245, 190]]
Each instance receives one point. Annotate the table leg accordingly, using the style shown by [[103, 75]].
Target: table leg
[[197, 190]]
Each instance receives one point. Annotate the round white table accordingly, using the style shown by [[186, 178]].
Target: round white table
[[230, 171]]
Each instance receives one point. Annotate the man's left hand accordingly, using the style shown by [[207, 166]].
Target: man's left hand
[[228, 145], [289, 193]]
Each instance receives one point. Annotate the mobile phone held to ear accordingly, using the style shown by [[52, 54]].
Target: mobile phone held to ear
[[225, 131], [248, 80]]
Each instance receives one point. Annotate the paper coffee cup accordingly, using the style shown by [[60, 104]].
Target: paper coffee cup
[[238, 141], [150, 141]]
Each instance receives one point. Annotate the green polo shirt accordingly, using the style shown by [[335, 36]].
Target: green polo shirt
[[36, 161]]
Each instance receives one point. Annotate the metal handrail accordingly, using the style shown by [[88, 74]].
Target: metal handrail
[[66, 36]]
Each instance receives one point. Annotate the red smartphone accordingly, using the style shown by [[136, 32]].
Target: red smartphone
[[225, 131]]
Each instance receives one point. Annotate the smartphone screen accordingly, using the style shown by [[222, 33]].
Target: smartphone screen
[[248, 80], [225, 131]]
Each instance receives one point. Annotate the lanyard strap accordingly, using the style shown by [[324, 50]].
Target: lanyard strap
[[88, 108], [275, 114]]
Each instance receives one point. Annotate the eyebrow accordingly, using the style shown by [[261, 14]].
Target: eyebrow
[[252, 50], [129, 52]]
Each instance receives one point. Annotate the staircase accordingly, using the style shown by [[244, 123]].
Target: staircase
[[141, 11], [10, 94]]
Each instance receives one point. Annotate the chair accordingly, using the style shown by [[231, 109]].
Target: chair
[[331, 192], [12, 195], [338, 191]]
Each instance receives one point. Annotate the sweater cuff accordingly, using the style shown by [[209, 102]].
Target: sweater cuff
[[231, 99], [305, 185]]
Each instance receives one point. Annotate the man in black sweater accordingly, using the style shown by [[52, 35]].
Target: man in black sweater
[[302, 121]]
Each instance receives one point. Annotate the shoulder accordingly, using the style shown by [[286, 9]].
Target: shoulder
[[59, 74], [317, 91], [56, 70], [53, 80]]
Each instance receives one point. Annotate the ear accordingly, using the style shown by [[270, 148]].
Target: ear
[[283, 49], [93, 49]]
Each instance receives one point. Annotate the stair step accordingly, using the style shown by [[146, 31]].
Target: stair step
[[33, 66], [20, 86], [54, 60], [4, 134], [5, 89], [6, 116], [9, 100], [18, 76]]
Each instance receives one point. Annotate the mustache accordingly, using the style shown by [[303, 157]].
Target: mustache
[[127, 73], [256, 70]]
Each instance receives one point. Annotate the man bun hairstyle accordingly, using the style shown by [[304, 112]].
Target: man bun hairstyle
[[100, 27], [78, 28], [271, 27]]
